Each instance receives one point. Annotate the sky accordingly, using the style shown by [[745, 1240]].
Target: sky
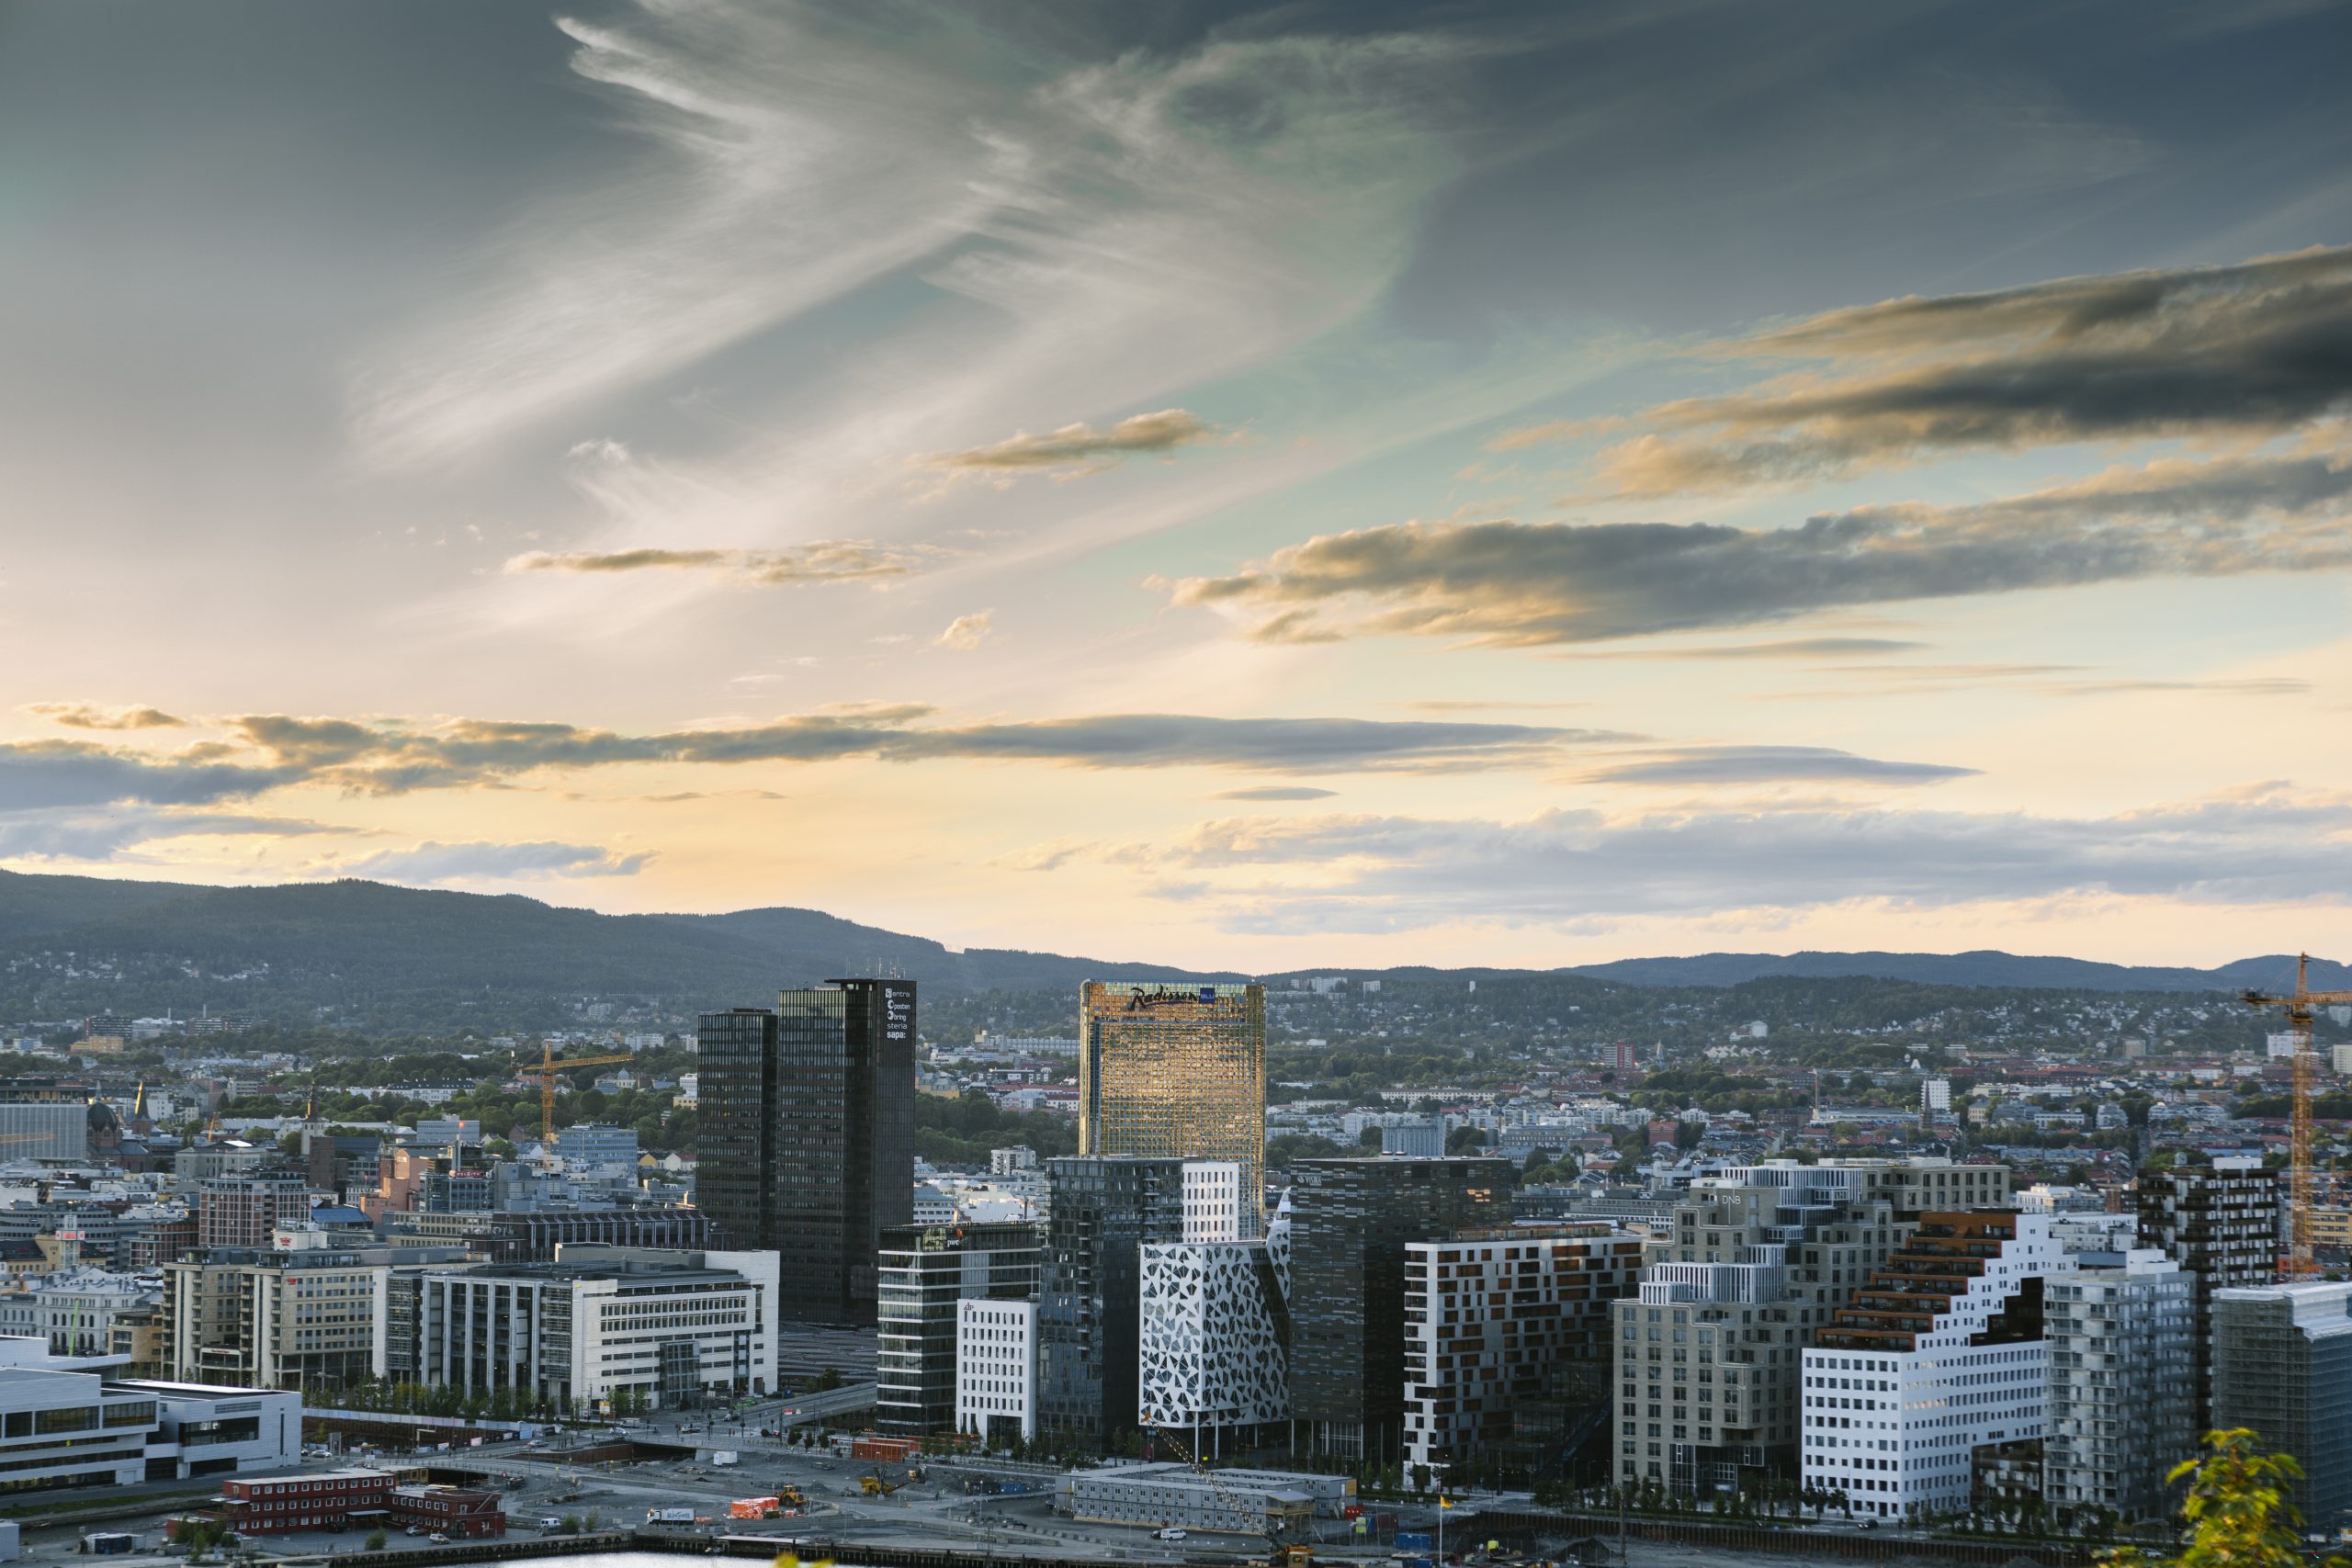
[[1245, 486]]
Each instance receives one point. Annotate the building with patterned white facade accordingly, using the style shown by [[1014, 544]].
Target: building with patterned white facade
[[1214, 1356], [1939, 1354], [1501, 1322], [996, 1368]]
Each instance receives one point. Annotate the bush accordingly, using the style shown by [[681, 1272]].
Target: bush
[[571, 1524], [376, 1540]]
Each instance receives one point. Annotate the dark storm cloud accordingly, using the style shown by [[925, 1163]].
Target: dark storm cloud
[[1771, 764], [1528, 583], [2261, 348], [1403, 873]]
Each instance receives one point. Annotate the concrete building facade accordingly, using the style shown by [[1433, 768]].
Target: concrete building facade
[[2121, 1328]]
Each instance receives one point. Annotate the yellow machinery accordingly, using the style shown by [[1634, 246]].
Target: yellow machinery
[[546, 1071], [2298, 1008]]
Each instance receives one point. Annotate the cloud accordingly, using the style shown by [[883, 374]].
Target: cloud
[[36, 774], [1077, 449], [433, 861], [1787, 647], [86, 836], [1367, 873], [825, 560], [1523, 584], [1771, 764], [966, 632], [1276, 792], [84, 716], [2257, 349]]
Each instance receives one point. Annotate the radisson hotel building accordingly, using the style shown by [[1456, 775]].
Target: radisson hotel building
[[1175, 1068]]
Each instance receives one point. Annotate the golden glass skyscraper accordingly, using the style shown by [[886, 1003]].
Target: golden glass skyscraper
[[1174, 1068]]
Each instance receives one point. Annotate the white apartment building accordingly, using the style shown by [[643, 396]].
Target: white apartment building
[[248, 1318], [1932, 1360], [1499, 1317], [73, 1310], [669, 1326], [2122, 1328], [996, 1368]]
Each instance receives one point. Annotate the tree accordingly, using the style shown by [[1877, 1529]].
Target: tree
[[571, 1524], [826, 1380], [2237, 1511], [375, 1541]]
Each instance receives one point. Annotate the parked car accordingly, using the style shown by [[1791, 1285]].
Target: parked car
[[438, 1539], [1171, 1533]]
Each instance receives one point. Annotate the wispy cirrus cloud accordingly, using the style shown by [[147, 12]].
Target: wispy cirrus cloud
[[2257, 349], [1771, 764], [1526, 585], [434, 863], [90, 716], [100, 835], [825, 561], [1079, 448], [270, 752], [966, 633], [1371, 873]]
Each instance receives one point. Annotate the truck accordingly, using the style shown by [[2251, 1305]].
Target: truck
[[668, 1515]]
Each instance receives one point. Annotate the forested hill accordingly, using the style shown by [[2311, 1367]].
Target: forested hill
[[371, 955], [1988, 967]]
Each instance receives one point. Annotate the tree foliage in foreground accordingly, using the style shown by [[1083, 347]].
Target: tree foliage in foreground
[[2239, 1510]]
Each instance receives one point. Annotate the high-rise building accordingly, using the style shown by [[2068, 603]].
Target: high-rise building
[[1502, 1325], [807, 1135], [1759, 1257], [926, 1270], [1352, 1221], [1175, 1070], [1939, 1355], [1106, 1208], [2282, 1366], [1216, 1334], [2122, 1401], [2221, 1223]]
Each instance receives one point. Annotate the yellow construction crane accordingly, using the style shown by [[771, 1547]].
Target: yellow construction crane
[[546, 1071], [2298, 1008]]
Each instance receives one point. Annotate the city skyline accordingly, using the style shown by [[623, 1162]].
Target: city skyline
[[1240, 487]]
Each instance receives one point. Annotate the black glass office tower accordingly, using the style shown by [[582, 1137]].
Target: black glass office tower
[[807, 1136]]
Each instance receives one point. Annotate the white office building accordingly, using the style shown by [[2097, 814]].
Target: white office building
[[2122, 1328], [996, 1368], [1939, 1355], [671, 1326], [1214, 1201]]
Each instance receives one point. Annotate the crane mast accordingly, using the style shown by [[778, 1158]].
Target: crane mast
[[2300, 1008]]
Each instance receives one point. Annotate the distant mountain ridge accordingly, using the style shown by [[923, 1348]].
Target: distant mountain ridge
[[399, 957], [1983, 967]]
